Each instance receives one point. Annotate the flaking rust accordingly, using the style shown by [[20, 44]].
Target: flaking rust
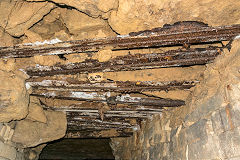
[[172, 58], [93, 133], [106, 86], [106, 97], [178, 26], [178, 34]]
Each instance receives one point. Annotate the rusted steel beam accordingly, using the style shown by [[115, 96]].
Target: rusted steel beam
[[111, 114], [176, 34], [75, 116], [98, 125], [132, 62], [109, 86], [88, 106], [77, 122], [108, 133], [106, 97]]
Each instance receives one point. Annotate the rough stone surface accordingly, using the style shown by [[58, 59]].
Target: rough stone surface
[[48, 27], [30, 14], [36, 112], [29, 133], [32, 37], [5, 38], [14, 98], [8, 150], [208, 127], [34, 153], [126, 16], [83, 26], [92, 8], [100, 18], [140, 14]]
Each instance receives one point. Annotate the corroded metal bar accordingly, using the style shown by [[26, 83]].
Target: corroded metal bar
[[74, 116], [106, 97], [132, 62], [107, 133], [111, 114], [89, 106], [78, 122], [95, 106], [181, 33], [105, 86], [98, 125]]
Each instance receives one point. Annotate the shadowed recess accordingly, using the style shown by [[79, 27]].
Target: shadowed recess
[[78, 149]]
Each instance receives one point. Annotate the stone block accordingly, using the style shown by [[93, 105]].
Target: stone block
[[7, 151], [30, 134], [154, 152], [224, 119], [157, 138], [145, 156], [197, 132], [230, 117], [20, 156], [217, 122], [204, 109], [230, 143], [14, 97], [235, 114], [173, 133], [202, 143]]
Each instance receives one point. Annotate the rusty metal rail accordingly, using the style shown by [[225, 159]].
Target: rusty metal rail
[[132, 62], [93, 133], [177, 34], [106, 97], [92, 107], [82, 121], [109, 86]]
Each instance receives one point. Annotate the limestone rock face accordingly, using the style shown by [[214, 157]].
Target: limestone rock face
[[91, 8], [48, 27], [82, 26], [36, 112], [100, 18], [30, 133], [14, 98], [140, 14], [18, 16], [5, 38]]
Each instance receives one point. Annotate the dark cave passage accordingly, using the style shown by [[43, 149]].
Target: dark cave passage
[[78, 149]]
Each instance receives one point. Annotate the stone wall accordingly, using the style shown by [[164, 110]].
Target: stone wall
[[208, 127], [8, 149]]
